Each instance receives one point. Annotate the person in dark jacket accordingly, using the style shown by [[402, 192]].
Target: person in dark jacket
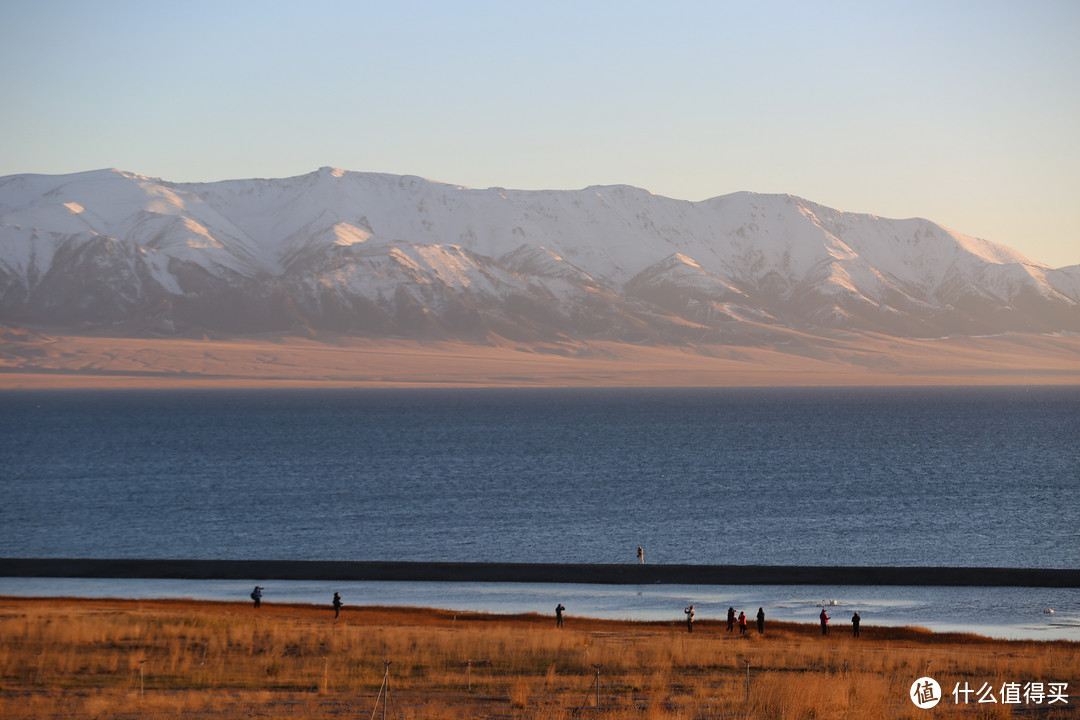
[[337, 605], [855, 620], [760, 620], [558, 615], [730, 619]]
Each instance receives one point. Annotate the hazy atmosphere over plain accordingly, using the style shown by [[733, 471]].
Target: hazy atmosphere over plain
[[961, 112]]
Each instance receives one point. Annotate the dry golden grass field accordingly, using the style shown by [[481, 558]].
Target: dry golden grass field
[[80, 658]]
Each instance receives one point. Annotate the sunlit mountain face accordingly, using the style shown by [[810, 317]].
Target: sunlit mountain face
[[398, 256]]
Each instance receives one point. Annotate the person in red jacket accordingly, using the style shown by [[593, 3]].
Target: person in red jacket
[[742, 623]]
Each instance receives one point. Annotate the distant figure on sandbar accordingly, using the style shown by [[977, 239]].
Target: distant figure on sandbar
[[689, 619], [855, 620], [558, 614], [640, 555], [730, 619], [761, 621], [337, 605], [256, 595], [824, 622], [742, 623]]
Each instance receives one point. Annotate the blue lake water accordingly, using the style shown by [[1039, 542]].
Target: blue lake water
[[898, 476]]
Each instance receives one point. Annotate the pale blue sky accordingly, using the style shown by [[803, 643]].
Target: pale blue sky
[[967, 113]]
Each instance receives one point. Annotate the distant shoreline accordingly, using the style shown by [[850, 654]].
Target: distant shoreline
[[604, 574], [37, 361]]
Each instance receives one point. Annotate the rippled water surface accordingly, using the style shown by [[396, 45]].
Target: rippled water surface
[[953, 476]]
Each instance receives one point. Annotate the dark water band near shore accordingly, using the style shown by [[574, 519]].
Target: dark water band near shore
[[627, 574]]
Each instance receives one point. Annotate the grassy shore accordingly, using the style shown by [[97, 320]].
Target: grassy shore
[[89, 658]]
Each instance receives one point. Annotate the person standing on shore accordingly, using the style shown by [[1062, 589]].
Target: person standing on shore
[[689, 619], [730, 619], [742, 623], [256, 595], [855, 620], [337, 605], [824, 618], [558, 615], [640, 555], [761, 621]]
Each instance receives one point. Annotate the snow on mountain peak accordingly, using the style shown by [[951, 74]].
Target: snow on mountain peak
[[334, 240]]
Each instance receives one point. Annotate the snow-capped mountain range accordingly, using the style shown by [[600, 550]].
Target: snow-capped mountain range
[[383, 255]]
